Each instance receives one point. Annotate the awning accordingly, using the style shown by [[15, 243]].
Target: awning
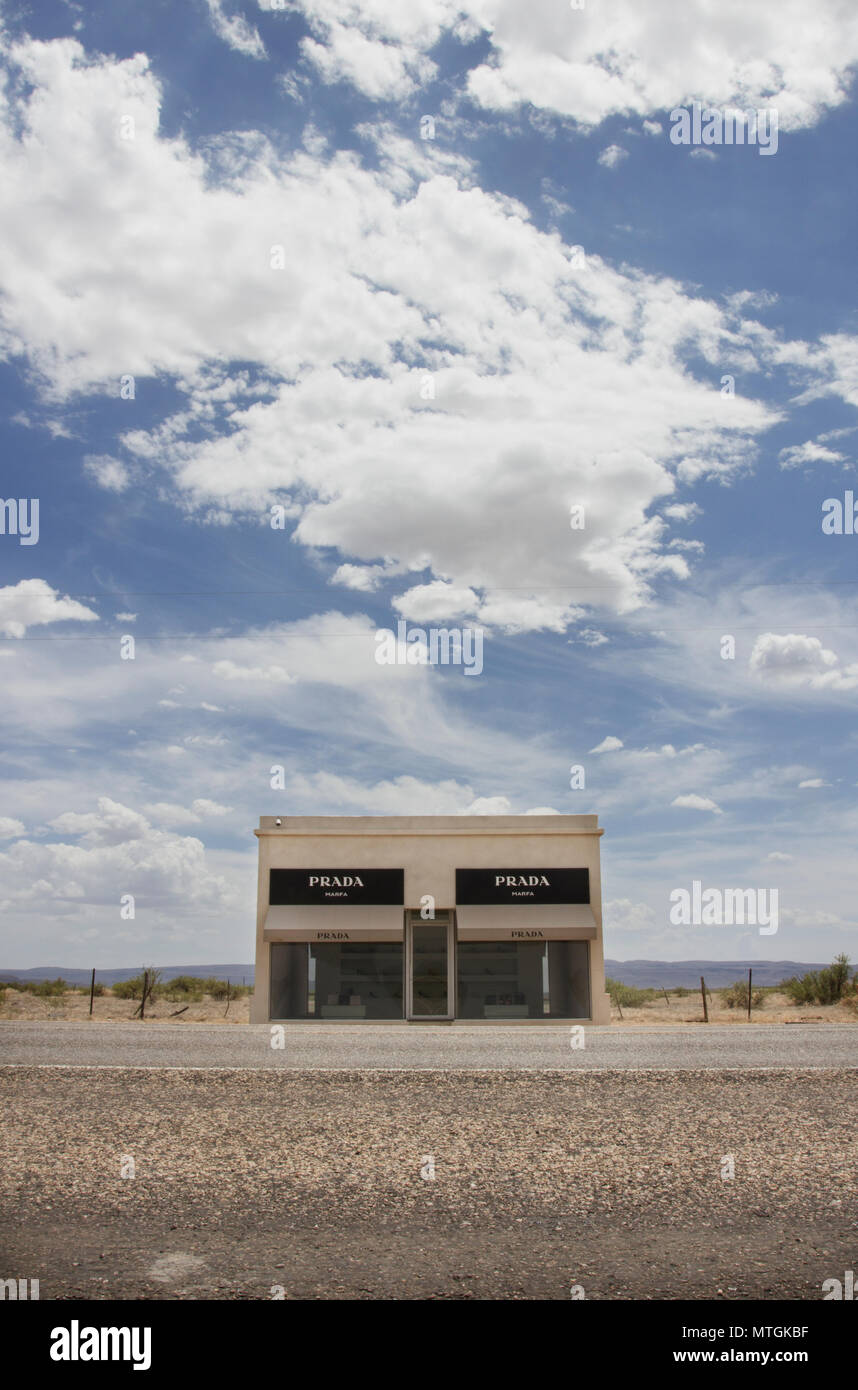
[[519, 922], [340, 923]]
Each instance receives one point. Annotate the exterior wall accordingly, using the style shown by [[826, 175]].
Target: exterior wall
[[430, 849]]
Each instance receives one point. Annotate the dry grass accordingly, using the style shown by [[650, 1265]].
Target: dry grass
[[776, 1008], [74, 1007]]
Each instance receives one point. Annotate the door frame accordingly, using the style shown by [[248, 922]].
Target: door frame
[[412, 915]]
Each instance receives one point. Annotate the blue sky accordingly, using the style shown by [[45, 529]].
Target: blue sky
[[235, 205]]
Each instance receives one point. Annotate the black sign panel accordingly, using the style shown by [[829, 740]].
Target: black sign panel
[[495, 886], [312, 887]]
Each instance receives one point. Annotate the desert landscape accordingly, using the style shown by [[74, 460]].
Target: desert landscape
[[660, 1010]]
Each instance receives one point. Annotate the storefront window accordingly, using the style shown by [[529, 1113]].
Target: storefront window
[[523, 979], [349, 979]]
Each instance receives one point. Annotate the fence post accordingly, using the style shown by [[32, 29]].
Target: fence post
[[143, 1000], [91, 992], [703, 992], [750, 976]]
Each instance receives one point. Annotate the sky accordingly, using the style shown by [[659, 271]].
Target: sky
[[317, 317]]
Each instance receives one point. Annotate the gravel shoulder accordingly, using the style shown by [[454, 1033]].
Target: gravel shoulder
[[250, 1179]]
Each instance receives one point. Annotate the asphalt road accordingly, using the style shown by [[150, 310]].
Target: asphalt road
[[425, 1046]]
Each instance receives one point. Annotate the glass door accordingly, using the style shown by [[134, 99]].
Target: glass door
[[429, 967]]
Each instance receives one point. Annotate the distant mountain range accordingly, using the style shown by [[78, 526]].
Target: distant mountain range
[[234, 973], [644, 974]]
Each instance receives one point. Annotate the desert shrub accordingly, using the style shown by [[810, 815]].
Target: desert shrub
[[735, 996], [627, 995], [128, 989], [218, 988], [133, 988], [45, 989], [801, 989], [681, 992], [827, 986], [49, 989], [185, 984]]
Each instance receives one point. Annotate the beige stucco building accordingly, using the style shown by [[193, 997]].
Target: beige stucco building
[[477, 918]]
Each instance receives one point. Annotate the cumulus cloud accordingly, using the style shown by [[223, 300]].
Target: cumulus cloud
[[330, 793], [11, 829], [426, 603], [364, 578], [692, 802], [33, 603], [601, 60], [168, 813], [118, 851], [794, 659], [375, 278]]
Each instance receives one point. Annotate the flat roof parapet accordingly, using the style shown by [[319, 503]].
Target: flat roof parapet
[[429, 825]]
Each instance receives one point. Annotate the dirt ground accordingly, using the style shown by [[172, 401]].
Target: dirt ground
[[776, 1008]]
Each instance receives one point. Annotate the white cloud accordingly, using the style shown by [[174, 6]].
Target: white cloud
[[203, 807], [331, 793], [11, 829], [608, 745], [622, 914], [794, 659], [235, 30], [779, 857], [612, 156], [621, 59], [813, 782], [107, 472], [693, 802], [33, 603], [232, 671], [683, 511], [364, 578], [169, 813], [374, 260], [426, 603], [119, 851], [125, 617], [809, 452]]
